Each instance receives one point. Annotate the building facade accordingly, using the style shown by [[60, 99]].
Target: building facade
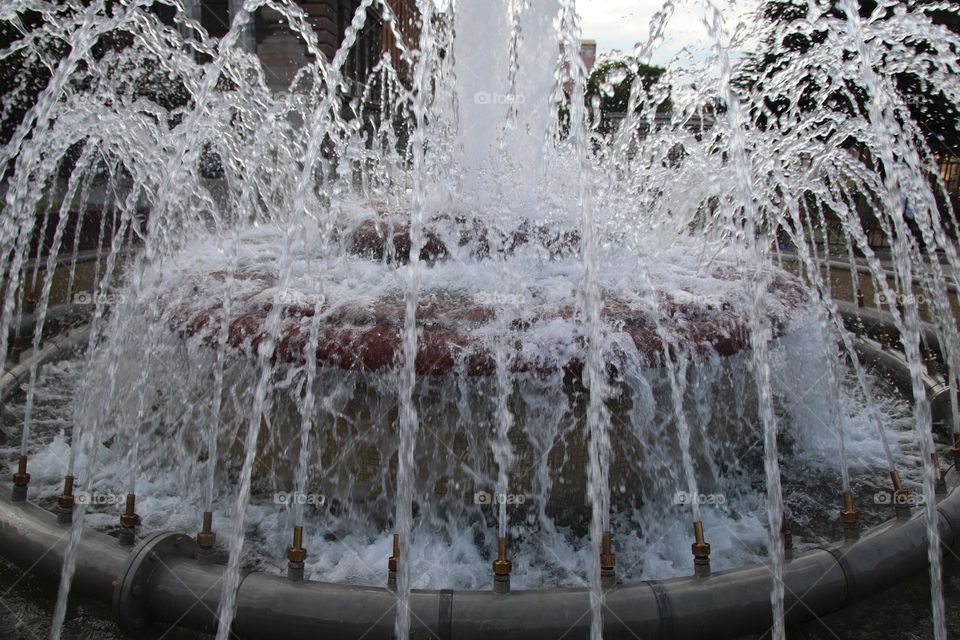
[[283, 52]]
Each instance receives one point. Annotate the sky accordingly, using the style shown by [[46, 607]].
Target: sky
[[620, 24]]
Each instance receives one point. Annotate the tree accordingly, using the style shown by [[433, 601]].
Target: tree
[[791, 39], [611, 80]]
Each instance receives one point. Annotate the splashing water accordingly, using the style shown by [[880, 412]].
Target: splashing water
[[415, 277]]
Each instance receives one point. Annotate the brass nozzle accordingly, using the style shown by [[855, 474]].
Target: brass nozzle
[[207, 538], [392, 561], [65, 500], [786, 535], [296, 552], [899, 493], [21, 478], [849, 514], [502, 566], [699, 547], [130, 519], [936, 465], [608, 561]]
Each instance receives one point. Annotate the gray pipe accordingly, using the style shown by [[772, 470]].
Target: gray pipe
[[160, 583], [170, 587]]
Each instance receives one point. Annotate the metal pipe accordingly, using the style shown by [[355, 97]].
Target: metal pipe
[[180, 590]]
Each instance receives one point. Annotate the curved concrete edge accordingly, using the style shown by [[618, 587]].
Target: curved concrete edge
[[182, 591], [54, 349], [31, 538]]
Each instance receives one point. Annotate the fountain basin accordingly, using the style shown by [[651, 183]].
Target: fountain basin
[[176, 589]]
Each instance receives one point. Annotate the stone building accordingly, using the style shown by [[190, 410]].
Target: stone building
[[282, 52]]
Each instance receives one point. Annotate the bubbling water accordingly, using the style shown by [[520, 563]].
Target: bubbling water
[[452, 309]]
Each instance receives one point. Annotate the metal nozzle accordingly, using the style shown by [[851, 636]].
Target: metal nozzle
[[501, 568], [860, 298], [849, 517], [849, 514], [129, 521], [65, 502], [787, 537], [608, 561], [940, 485], [392, 563], [701, 552], [901, 497], [20, 481], [296, 555], [206, 538]]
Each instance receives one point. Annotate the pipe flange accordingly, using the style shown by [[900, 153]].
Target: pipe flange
[[130, 593]]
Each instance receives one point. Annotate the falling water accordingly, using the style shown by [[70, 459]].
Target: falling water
[[641, 261]]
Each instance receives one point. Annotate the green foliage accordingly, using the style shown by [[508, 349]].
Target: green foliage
[[36, 52], [611, 80], [790, 38]]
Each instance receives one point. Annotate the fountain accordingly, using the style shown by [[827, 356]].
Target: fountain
[[443, 359]]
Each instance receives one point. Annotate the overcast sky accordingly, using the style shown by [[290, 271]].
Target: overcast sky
[[620, 24]]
